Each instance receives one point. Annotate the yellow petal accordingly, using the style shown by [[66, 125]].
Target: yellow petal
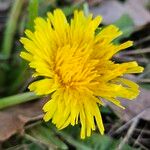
[[26, 56], [42, 87]]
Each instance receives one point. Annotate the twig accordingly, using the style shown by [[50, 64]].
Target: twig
[[113, 128], [33, 124], [143, 131], [129, 133], [142, 146], [143, 80], [140, 79], [19, 147], [142, 41], [124, 59], [130, 121], [31, 138], [135, 52], [139, 136], [37, 118]]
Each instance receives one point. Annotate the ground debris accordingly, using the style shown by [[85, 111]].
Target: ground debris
[[13, 119]]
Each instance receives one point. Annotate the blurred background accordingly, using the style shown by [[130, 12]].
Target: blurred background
[[21, 124]]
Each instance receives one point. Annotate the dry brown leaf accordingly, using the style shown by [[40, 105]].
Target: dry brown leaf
[[13, 119], [112, 10], [135, 107]]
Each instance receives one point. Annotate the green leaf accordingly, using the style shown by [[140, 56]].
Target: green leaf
[[68, 10], [35, 146], [126, 25], [98, 30], [48, 134], [48, 137], [17, 78], [86, 9], [94, 142], [72, 141], [99, 142]]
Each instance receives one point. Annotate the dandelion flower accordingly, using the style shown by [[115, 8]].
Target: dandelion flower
[[74, 64]]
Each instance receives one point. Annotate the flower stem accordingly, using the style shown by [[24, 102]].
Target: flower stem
[[17, 99]]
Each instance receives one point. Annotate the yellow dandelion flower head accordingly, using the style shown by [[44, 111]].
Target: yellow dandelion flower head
[[77, 69]]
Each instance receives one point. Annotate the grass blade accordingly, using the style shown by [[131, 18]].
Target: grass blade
[[11, 28]]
